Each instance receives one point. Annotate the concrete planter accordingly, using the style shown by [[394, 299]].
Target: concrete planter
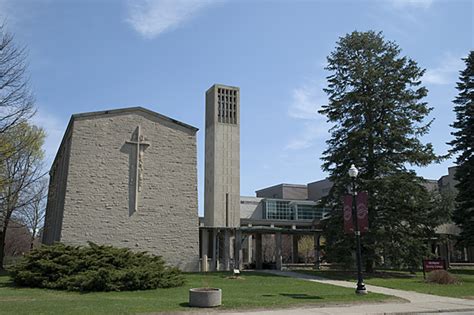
[[205, 297]]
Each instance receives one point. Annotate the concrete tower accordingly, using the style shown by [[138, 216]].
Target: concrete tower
[[222, 161]]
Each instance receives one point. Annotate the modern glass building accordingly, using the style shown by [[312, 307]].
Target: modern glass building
[[289, 210]]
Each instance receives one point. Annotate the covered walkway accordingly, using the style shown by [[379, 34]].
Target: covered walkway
[[222, 248]]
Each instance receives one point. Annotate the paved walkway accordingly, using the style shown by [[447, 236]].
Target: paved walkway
[[418, 302]]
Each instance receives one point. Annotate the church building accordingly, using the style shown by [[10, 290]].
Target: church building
[[128, 178]]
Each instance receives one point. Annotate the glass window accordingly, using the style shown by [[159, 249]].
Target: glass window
[[278, 210], [309, 212], [285, 210]]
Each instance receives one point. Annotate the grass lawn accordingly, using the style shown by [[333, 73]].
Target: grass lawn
[[253, 290], [404, 281]]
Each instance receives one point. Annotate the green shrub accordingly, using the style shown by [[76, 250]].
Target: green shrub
[[441, 277], [94, 268]]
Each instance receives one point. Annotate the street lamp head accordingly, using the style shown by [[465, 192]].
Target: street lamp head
[[353, 171]]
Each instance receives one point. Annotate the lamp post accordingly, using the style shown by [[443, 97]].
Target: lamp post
[[353, 172]]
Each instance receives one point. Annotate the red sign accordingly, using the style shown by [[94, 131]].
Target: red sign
[[430, 265], [363, 211], [433, 264], [348, 224]]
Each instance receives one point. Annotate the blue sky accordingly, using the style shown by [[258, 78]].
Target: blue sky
[[87, 55]]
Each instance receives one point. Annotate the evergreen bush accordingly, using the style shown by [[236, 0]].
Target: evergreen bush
[[94, 268]]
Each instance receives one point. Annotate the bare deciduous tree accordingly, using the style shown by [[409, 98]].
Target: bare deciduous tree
[[21, 171], [32, 214], [17, 239], [16, 99], [268, 247], [306, 247], [20, 143]]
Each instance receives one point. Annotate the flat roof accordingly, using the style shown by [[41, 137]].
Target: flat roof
[[322, 180], [218, 85], [284, 185]]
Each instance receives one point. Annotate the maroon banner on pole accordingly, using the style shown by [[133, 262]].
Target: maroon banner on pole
[[363, 211], [348, 224]]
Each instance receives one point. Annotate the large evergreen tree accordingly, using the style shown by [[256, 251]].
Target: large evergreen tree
[[378, 114], [463, 144]]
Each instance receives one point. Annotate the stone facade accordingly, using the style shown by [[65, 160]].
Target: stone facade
[[57, 191], [93, 185], [447, 182]]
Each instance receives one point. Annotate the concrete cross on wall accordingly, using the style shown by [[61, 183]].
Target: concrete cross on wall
[[139, 142]]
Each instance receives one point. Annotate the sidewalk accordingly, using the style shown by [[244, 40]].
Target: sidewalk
[[418, 302]]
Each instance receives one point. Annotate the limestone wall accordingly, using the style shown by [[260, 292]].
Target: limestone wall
[[100, 188], [57, 192]]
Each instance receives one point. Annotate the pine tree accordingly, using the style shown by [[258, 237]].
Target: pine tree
[[463, 144], [378, 114]]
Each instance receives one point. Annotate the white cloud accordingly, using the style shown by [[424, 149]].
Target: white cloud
[[54, 128], [151, 18], [307, 100], [311, 131], [446, 72], [422, 4]]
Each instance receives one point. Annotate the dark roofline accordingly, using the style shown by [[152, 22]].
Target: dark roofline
[[283, 185], [218, 85], [66, 133], [114, 111], [322, 180], [133, 109]]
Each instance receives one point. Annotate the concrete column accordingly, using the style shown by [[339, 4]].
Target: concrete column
[[279, 259], [317, 249], [258, 251], [294, 256], [448, 256], [249, 248], [238, 250], [215, 251], [231, 248], [204, 250], [226, 250]]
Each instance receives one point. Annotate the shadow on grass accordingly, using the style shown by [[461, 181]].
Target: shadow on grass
[[301, 296], [8, 284], [186, 305], [227, 274], [352, 275]]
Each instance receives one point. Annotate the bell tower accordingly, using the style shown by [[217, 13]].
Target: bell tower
[[222, 157]]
